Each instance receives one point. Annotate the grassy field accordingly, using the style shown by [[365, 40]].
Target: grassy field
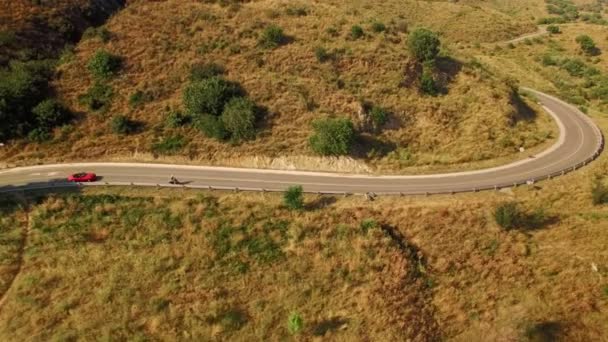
[[479, 119], [147, 264]]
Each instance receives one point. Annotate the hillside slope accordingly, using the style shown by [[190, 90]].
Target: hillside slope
[[478, 118]]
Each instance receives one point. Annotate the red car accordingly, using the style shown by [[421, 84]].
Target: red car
[[82, 177]]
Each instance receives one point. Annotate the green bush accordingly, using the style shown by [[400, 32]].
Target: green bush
[[176, 119], [295, 323], [238, 119], [104, 64], [272, 37], [98, 97], [378, 27], [49, 113], [208, 96], [322, 54], [169, 145], [211, 126], [39, 135], [204, 71], [507, 215], [101, 32], [138, 98], [379, 116], [599, 192], [293, 198], [427, 81], [332, 136], [356, 32], [122, 125], [553, 29], [424, 44], [587, 45]]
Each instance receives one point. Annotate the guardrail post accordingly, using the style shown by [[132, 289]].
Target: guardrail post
[[563, 172], [236, 189], [495, 187]]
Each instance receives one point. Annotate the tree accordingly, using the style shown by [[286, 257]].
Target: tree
[[49, 113], [104, 64], [293, 198], [587, 44], [427, 82], [332, 136], [211, 126], [295, 323], [208, 96], [238, 119], [424, 44]]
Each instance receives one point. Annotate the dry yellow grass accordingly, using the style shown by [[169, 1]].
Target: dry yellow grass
[[161, 40]]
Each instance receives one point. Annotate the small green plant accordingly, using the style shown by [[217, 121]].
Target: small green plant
[[272, 37], [553, 29], [122, 125], [101, 32], [293, 198], [368, 224], [104, 64], [378, 27], [322, 54], [599, 192], [427, 81], [138, 98], [169, 145], [356, 32], [587, 45], [332, 136], [176, 119], [379, 116], [424, 44], [507, 215], [295, 323], [202, 71], [98, 96]]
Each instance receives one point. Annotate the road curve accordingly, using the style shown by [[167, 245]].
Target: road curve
[[580, 142]]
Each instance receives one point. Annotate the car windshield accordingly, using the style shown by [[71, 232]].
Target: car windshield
[[79, 175]]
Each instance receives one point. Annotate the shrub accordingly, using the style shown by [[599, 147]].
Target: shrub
[[238, 119], [208, 96], [177, 119], [322, 54], [293, 198], [99, 96], [49, 113], [553, 29], [296, 11], [332, 136], [587, 44], [295, 323], [103, 64], [203, 71], [138, 98], [368, 224], [356, 32], [101, 32], [39, 135], [272, 37], [424, 44], [169, 145], [427, 82], [378, 27], [599, 192], [379, 116], [507, 215], [211, 126], [121, 125]]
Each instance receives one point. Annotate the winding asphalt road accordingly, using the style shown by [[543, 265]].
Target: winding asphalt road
[[580, 142]]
